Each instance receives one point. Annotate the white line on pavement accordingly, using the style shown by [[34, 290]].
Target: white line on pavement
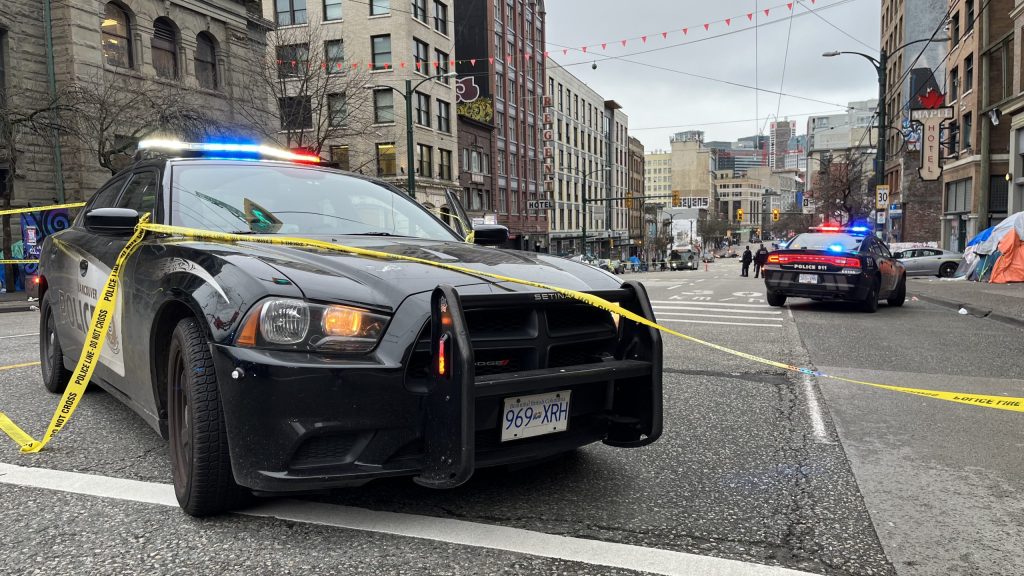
[[739, 310], [702, 303], [727, 323], [460, 532], [673, 287], [814, 409], [722, 316], [19, 335]]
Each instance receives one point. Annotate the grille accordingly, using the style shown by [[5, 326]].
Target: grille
[[579, 319], [330, 449]]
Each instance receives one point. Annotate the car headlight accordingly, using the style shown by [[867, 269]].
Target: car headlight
[[293, 324]]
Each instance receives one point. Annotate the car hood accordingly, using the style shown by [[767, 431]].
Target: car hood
[[384, 283]]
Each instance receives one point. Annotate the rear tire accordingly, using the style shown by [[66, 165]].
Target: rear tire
[[51, 355], [776, 299], [900, 295], [870, 302], [200, 463], [947, 270]]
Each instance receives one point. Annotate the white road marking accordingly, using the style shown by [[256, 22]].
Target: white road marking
[[459, 532], [726, 323], [675, 302], [697, 306], [674, 287], [717, 315], [19, 335], [814, 409]]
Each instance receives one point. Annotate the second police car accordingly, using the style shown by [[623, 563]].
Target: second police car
[[835, 263], [277, 368]]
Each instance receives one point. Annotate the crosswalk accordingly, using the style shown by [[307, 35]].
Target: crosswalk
[[719, 313]]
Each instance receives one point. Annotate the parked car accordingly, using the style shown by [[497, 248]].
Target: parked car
[[929, 261]]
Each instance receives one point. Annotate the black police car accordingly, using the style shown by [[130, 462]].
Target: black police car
[[836, 264], [274, 368]]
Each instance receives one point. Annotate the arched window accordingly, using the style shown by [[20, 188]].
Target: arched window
[[165, 48], [206, 61], [116, 37]]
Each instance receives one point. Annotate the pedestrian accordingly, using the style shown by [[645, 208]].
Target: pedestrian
[[760, 259], [745, 262]]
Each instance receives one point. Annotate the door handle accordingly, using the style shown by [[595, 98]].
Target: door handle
[[83, 266]]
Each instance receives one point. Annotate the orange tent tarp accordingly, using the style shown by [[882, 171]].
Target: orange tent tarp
[[1010, 266]]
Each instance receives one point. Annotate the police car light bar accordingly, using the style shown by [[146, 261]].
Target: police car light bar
[[243, 150]]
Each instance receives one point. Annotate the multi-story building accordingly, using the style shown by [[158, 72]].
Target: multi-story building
[[848, 137], [977, 151], [396, 44], [739, 156], [185, 55], [1014, 109], [636, 194], [734, 192], [616, 126], [506, 42], [693, 167], [911, 72], [658, 177], [476, 141], [782, 131]]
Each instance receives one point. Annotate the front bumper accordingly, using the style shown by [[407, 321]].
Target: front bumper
[[298, 422], [830, 285]]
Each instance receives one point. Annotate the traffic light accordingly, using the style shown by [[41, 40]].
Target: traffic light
[[775, 214], [739, 214], [676, 200]]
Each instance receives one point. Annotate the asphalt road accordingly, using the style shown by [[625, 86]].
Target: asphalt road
[[756, 465]]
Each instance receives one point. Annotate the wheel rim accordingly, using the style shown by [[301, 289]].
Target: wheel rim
[[181, 423], [49, 342]]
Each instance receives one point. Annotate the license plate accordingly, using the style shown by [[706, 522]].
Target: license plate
[[528, 416], [808, 279]]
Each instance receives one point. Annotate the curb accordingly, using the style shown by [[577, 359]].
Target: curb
[[973, 310], [18, 308]]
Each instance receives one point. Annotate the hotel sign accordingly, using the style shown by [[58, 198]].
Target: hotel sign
[[931, 121]]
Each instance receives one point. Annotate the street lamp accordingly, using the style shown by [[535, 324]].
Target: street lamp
[[410, 157], [880, 64], [585, 200]]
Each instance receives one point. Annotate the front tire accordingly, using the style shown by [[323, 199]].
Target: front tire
[[870, 302], [51, 355], [200, 463], [947, 270], [900, 295], [776, 299]]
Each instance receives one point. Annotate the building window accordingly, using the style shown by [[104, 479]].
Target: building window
[[206, 61], [502, 201], [444, 116], [958, 196], [386, 159], [381, 51], [425, 160], [421, 53], [445, 163], [442, 66], [966, 128], [165, 48], [292, 59], [332, 9], [423, 109], [291, 12], [419, 10], [969, 15], [334, 56], [441, 17], [337, 110], [116, 37], [340, 157], [383, 106], [474, 163], [968, 73], [954, 84], [296, 113], [380, 7]]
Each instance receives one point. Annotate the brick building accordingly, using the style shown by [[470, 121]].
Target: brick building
[[1013, 109], [636, 193]]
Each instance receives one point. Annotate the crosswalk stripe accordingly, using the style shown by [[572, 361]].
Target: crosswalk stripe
[[702, 309], [726, 323], [703, 303], [660, 314]]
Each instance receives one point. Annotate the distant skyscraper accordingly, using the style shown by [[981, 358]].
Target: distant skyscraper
[[778, 142]]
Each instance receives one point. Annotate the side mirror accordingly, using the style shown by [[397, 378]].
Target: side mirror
[[490, 234], [117, 221]]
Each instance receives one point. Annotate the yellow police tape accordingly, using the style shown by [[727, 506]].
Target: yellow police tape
[[41, 208], [18, 261], [22, 365], [105, 308], [101, 317]]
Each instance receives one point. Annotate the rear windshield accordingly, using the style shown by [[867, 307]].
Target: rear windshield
[[833, 242]]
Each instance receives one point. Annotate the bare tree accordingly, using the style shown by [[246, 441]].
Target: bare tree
[[20, 120], [842, 186], [312, 94], [118, 110]]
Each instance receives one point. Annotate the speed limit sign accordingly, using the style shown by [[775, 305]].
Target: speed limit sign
[[881, 196]]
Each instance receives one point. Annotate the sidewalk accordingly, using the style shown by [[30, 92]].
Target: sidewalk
[[16, 302], [1002, 302]]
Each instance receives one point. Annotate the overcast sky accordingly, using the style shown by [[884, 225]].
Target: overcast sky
[[663, 97]]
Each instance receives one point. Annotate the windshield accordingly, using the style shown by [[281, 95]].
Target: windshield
[[834, 242], [279, 199]]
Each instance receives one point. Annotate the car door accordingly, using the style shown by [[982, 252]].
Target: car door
[[890, 270], [910, 261], [931, 260]]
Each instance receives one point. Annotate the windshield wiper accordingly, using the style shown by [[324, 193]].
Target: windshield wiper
[[380, 234]]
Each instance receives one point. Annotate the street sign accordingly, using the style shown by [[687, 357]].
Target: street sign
[[880, 217], [881, 196], [539, 204]]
